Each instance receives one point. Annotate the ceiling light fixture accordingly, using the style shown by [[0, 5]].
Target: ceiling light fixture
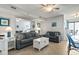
[[49, 7], [76, 15]]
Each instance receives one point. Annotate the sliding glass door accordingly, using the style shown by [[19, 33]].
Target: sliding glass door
[[71, 27], [74, 29]]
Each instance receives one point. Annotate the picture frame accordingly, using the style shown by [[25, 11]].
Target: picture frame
[[54, 24], [4, 22]]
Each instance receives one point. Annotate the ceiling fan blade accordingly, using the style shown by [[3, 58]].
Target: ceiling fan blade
[[43, 5], [53, 4], [57, 8]]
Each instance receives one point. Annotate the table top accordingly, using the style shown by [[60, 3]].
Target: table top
[[41, 38]]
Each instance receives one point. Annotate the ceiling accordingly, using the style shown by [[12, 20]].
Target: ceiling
[[30, 11]]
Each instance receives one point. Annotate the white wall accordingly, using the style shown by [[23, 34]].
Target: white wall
[[12, 25], [24, 25], [47, 25]]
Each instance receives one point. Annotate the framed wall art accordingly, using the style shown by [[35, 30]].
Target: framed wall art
[[4, 22], [54, 24]]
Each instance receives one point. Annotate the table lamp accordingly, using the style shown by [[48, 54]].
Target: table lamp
[[8, 29]]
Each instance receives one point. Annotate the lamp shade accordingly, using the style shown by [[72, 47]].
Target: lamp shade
[[8, 29]]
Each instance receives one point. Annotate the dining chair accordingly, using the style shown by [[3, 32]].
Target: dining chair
[[72, 44]]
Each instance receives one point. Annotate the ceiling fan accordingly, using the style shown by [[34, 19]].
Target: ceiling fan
[[49, 7]]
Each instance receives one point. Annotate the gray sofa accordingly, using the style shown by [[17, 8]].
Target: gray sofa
[[25, 39]]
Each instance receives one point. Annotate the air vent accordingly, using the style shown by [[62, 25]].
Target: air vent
[[13, 7]]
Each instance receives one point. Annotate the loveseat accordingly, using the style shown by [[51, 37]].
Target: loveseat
[[53, 36]]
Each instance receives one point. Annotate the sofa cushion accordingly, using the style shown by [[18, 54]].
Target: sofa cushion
[[26, 40], [33, 34], [51, 33], [20, 36], [26, 35], [57, 33]]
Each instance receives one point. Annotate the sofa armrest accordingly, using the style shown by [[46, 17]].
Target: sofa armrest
[[19, 37], [18, 44]]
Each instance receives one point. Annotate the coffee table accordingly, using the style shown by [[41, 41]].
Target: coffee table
[[40, 43]]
